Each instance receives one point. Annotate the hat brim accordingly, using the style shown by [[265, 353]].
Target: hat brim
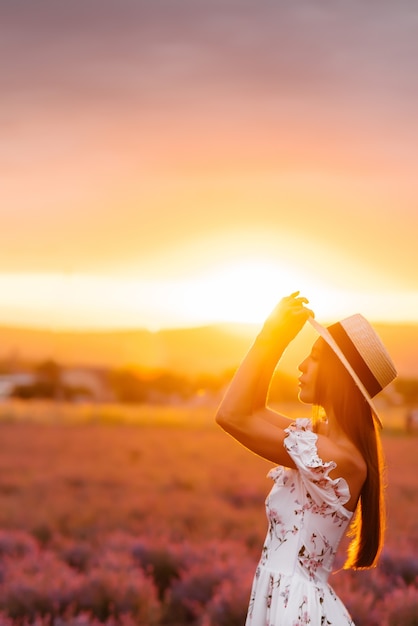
[[326, 335]]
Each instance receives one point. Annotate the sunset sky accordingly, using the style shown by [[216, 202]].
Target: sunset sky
[[178, 162]]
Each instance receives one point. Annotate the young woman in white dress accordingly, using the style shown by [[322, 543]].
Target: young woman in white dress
[[329, 474]]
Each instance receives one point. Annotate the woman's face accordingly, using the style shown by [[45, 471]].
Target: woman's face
[[309, 371]]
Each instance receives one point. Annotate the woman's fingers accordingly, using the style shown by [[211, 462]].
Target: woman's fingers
[[297, 304], [287, 318], [295, 299], [292, 304]]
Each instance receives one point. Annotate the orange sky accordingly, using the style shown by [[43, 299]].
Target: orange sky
[[174, 162]]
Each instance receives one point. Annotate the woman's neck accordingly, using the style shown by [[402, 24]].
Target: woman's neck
[[330, 426]]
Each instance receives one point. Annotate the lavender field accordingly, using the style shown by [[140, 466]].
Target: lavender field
[[152, 516]]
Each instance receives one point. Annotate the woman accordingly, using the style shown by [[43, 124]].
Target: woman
[[329, 466]]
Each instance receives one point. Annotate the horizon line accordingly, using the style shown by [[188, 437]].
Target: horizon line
[[165, 328]]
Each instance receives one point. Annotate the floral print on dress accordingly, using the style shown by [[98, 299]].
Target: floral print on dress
[[306, 520], [277, 527]]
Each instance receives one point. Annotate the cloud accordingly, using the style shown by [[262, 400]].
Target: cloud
[[146, 49], [309, 67]]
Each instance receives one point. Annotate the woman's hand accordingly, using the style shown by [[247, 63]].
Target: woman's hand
[[286, 320]]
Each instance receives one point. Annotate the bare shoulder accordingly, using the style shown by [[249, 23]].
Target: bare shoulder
[[347, 457], [350, 465]]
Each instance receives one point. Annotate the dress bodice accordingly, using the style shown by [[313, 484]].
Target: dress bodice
[[306, 520], [305, 510]]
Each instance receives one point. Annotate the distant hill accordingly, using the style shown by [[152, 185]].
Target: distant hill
[[209, 349]]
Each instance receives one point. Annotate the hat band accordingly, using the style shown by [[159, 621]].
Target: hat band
[[355, 359]]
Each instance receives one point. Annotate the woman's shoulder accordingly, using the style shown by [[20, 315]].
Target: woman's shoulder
[[349, 465], [343, 452], [318, 456]]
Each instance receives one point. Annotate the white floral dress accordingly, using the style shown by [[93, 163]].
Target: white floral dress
[[307, 519]]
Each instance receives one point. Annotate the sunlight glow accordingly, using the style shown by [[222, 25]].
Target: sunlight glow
[[243, 291]]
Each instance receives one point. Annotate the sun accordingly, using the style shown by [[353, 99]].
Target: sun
[[242, 291]]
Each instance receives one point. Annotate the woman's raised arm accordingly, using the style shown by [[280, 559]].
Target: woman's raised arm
[[243, 412]]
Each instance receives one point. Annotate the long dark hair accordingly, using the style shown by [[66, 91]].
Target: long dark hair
[[355, 417]]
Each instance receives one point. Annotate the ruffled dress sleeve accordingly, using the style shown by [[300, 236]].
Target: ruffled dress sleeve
[[301, 444]]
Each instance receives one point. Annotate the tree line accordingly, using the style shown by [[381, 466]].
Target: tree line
[[130, 385]]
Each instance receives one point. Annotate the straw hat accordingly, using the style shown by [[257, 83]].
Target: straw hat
[[362, 353]]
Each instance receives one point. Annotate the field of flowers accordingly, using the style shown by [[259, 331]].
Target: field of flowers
[[153, 516]]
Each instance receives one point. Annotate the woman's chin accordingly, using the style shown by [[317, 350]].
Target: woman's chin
[[303, 397]]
